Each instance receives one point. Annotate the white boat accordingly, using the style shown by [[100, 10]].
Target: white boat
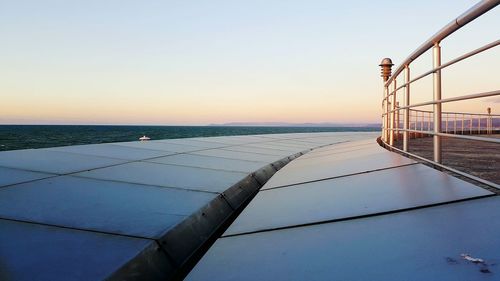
[[144, 138]]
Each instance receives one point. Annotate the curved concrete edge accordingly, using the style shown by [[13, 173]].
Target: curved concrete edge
[[150, 264], [184, 244]]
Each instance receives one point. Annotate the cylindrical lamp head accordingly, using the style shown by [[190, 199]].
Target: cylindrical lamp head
[[386, 66]]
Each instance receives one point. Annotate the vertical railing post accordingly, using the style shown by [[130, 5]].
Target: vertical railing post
[[382, 133], [422, 125], [489, 122], [386, 133], [446, 122], [455, 123], [463, 120], [437, 106], [388, 119], [470, 125], [397, 121], [429, 118], [406, 124], [393, 113]]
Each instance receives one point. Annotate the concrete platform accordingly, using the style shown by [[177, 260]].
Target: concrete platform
[[355, 211], [135, 211], [423, 244]]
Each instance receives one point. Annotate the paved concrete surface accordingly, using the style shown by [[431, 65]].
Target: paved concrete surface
[[136, 210], [355, 211]]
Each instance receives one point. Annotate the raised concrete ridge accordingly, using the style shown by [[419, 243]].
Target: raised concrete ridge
[[137, 210], [355, 211]]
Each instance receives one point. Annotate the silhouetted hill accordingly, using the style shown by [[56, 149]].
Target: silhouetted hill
[[285, 124]]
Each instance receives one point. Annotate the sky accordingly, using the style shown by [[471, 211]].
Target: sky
[[202, 62]]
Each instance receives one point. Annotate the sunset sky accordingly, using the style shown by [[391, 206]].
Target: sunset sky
[[202, 62]]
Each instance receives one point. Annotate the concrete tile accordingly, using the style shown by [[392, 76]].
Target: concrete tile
[[113, 151], [168, 176], [35, 252], [360, 195], [43, 160], [336, 165], [159, 145], [202, 143], [13, 176], [210, 162], [265, 151], [272, 145], [105, 206], [238, 155]]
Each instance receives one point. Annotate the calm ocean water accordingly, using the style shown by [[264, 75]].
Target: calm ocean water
[[39, 136]]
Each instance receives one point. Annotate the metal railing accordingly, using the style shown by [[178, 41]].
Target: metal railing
[[435, 123], [462, 123]]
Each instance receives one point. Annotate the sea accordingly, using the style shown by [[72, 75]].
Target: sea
[[14, 137]]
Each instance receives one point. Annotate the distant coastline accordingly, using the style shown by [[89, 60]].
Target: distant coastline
[[300, 125]]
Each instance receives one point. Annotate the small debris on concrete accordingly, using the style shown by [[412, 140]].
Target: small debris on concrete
[[484, 267], [471, 259], [485, 270], [451, 260]]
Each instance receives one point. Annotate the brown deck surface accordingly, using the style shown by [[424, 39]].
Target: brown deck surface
[[481, 159]]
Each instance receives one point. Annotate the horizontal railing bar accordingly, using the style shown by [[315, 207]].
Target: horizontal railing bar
[[450, 112], [466, 97], [452, 62], [483, 181], [460, 113], [469, 15], [493, 140], [485, 115]]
